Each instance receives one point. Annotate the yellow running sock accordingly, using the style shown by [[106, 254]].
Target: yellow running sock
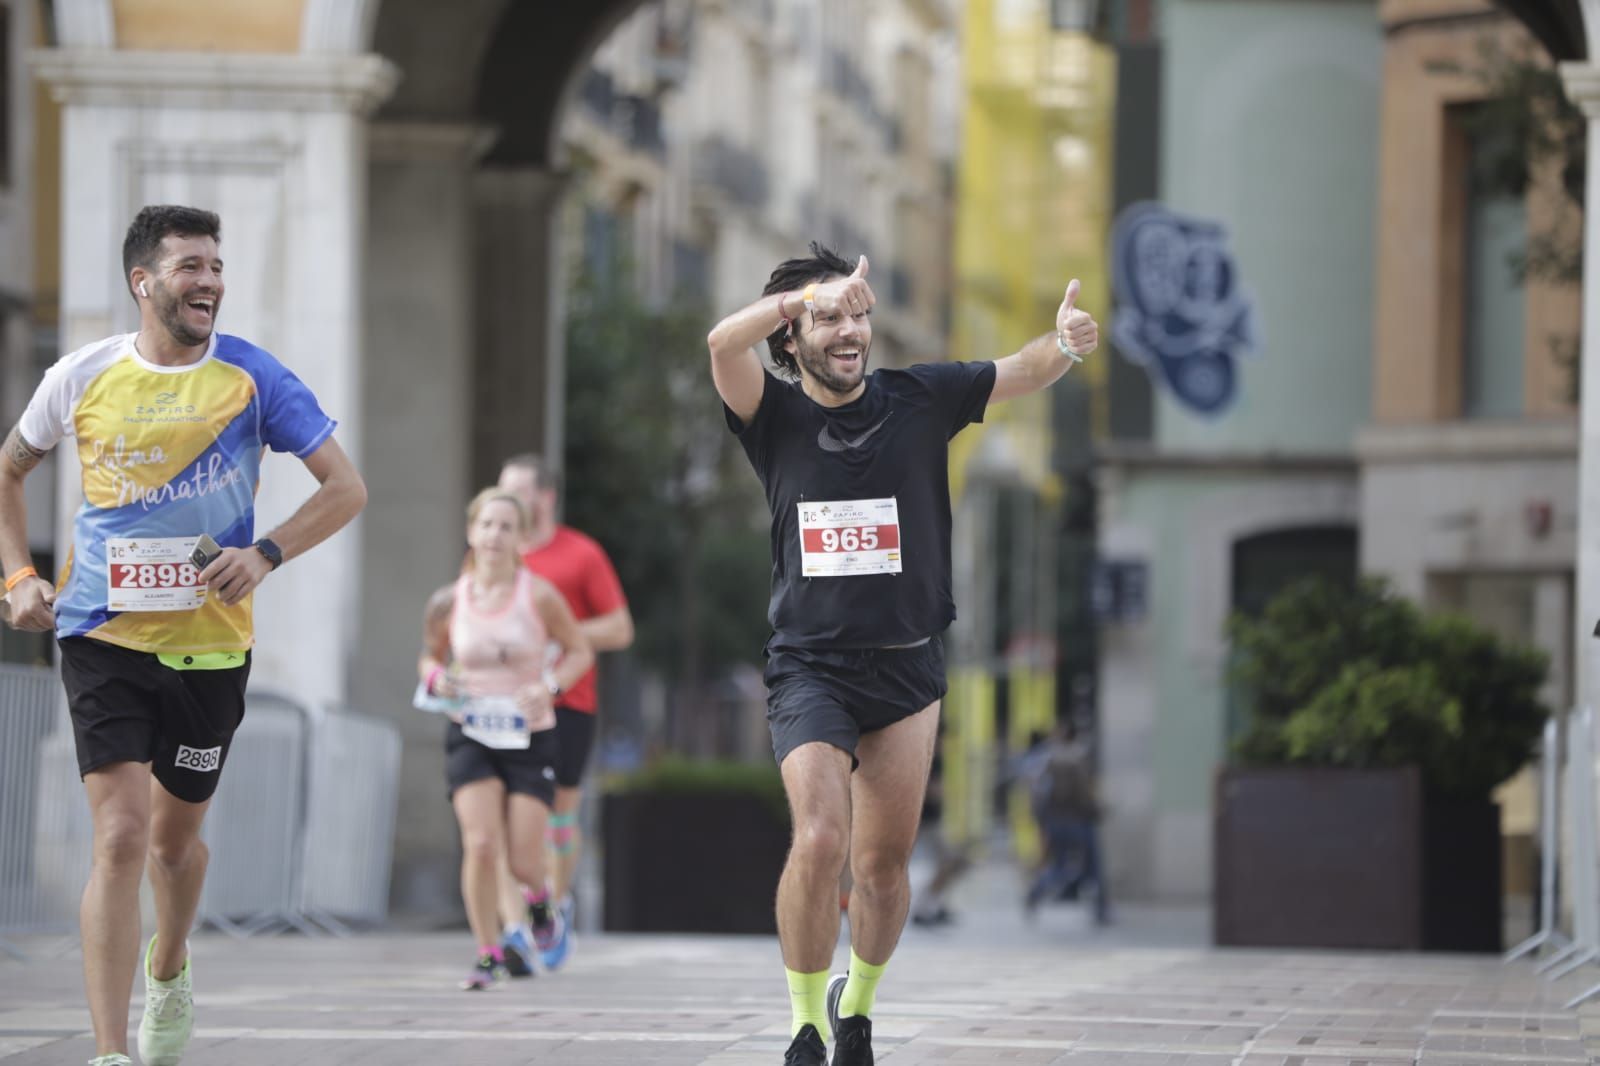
[[808, 993], [861, 988]]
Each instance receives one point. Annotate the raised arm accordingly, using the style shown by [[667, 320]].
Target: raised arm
[[735, 367], [30, 598], [339, 497], [1043, 360]]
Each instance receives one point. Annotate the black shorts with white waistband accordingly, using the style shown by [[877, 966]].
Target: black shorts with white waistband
[[837, 696]]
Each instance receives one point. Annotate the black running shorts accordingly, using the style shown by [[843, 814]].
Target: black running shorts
[[128, 707], [836, 696], [529, 771], [574, 739]]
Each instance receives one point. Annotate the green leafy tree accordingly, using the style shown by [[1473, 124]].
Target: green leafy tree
[[1332, 676], [655, 476]]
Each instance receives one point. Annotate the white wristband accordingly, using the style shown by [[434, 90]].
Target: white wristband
[[1061, 343]]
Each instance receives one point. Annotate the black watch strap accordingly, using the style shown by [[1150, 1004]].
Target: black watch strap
[[270, 551]]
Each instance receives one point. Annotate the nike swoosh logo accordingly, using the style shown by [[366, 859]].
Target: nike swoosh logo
[[829, 443]]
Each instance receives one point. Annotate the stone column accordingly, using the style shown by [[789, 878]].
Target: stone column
[[1583, 86], [277, 145], [417, 436], [521, 338]]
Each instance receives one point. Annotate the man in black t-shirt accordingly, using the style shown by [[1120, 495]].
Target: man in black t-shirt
[[855, 472]]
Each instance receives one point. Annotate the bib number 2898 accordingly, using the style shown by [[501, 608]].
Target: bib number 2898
[[152, 574]]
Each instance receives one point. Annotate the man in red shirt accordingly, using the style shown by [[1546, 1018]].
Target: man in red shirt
[[583, 573]]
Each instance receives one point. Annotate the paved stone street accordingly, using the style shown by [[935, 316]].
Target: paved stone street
[[990, 990]]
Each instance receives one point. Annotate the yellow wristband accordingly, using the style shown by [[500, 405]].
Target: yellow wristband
[[20, 576], [808, 292]]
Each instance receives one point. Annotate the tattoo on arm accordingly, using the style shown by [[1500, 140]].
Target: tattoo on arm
[[23, 455], [436, 621]]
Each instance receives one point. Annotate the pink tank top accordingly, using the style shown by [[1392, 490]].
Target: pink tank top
[[498, 652]]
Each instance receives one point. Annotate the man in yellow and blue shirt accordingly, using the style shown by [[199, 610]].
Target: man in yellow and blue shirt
[[170, 425]]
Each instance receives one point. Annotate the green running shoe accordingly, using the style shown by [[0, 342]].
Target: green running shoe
[[168, 1020]]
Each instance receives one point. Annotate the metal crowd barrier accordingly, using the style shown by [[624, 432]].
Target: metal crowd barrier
[[39, 882], [1549, 933], [1572, 818], [303, 823], [1579, 826], [1586, 872], [353, 794], [301, 830]]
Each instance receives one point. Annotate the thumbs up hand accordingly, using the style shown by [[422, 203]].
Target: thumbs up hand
[[1077, 334], [851, 295]]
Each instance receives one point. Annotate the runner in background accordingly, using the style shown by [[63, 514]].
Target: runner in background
[[485, 644], [580, 569]]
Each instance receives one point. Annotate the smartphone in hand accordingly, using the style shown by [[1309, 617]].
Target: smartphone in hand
[[205, 552]]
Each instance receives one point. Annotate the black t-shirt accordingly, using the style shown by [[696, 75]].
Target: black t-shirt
[[890, 444]]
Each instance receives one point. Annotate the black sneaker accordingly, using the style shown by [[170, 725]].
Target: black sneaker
[[807, 1048], [852, 1041], [852, 1036]]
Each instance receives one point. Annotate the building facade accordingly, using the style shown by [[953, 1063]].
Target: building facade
[[1245, 292]]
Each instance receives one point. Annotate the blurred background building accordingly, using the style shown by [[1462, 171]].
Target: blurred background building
[[1321, 356]]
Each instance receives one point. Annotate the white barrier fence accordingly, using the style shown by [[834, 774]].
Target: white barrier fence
[[301, 830], [1568, 817]]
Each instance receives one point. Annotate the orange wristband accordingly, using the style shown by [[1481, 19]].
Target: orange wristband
[[20, 576], [808, 293]]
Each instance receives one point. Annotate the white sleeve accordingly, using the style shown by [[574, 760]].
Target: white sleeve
[[48, 416]]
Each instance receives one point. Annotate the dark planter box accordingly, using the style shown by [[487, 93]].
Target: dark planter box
[[691, 862], [1326, 858]]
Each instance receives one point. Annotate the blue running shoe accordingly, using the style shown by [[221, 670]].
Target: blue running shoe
[[554, 942], [518, 950]]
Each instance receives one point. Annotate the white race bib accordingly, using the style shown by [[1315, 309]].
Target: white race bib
[[496, 723], [493, 721], [152, 574], [848, 538]]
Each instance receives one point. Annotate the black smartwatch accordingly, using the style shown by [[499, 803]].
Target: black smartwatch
[[270, 551]]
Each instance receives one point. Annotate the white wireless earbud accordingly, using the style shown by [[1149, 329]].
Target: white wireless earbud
[[144, 291]]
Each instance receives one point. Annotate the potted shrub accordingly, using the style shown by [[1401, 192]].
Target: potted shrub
[[694, 846], [1358, 811]]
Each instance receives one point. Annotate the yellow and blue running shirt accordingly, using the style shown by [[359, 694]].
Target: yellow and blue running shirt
[[168, 453]]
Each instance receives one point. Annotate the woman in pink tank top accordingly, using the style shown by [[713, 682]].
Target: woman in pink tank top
[[487, 638]]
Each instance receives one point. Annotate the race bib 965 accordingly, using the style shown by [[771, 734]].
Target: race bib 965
[[848, 538]]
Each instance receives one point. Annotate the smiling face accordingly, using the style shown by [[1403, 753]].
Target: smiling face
[[185, 288], [833, 348]]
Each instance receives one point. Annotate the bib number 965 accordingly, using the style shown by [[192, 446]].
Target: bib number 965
[[849, 538]]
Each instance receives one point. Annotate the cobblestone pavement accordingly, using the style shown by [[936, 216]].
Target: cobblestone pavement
[[989, 991]]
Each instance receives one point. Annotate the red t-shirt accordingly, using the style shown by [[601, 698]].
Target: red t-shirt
[[580, 569]]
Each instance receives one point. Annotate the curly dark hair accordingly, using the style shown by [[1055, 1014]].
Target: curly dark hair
[[793, 274], [143, 243]]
